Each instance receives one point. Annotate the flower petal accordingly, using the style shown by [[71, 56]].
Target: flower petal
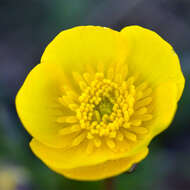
[[77, 156], [38, 106], [164, 107], [81, 47], [107, 169], [152, 57]]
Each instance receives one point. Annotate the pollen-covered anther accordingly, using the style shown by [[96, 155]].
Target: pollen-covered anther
[[108, 110]]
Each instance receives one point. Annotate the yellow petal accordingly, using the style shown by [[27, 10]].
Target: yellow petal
[[38, 106], [104, 170], [80, 47], [153, 57], [78, 156], [164, 106]]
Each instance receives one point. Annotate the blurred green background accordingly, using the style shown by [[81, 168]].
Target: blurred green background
[[27, 26]]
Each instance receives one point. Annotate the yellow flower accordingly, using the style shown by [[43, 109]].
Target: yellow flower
[[97, 99]]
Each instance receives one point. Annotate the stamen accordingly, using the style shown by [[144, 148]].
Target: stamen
[[124, 72], [70, 93], [79, 139], [120, 72], [110, 143], [139, 95], [141, 111], [143, 102], [110, 73], [65, 100], [67, 119], [87, 77], [69, 130], [139, 130], [77, 77], [97, 115], [136, 122], [97, 142], [120, 136], [130, 81], [73, 107], [142, 86], [82, 85], [146, 117], [89, 148], [126, 125], [130, 136], [147, 92], [109, 109]]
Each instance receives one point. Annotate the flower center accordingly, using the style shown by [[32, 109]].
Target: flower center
[[104, 107], [107, 110]]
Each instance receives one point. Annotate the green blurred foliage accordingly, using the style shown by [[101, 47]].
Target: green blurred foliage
[[28, 26]]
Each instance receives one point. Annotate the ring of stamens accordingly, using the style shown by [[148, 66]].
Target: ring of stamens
[[105, 107], [106, 110]]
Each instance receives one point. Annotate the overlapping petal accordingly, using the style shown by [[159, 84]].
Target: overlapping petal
[[82, 47], [38, 107], [158, 64], [152, 57], [63, 158], [104, 170]]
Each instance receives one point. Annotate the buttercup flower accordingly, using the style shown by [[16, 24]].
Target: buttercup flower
[[97, 99]]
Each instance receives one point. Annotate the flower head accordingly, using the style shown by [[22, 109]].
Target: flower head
[[97, 99]]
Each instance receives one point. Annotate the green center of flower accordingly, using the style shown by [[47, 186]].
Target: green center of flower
[[104, 107]]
